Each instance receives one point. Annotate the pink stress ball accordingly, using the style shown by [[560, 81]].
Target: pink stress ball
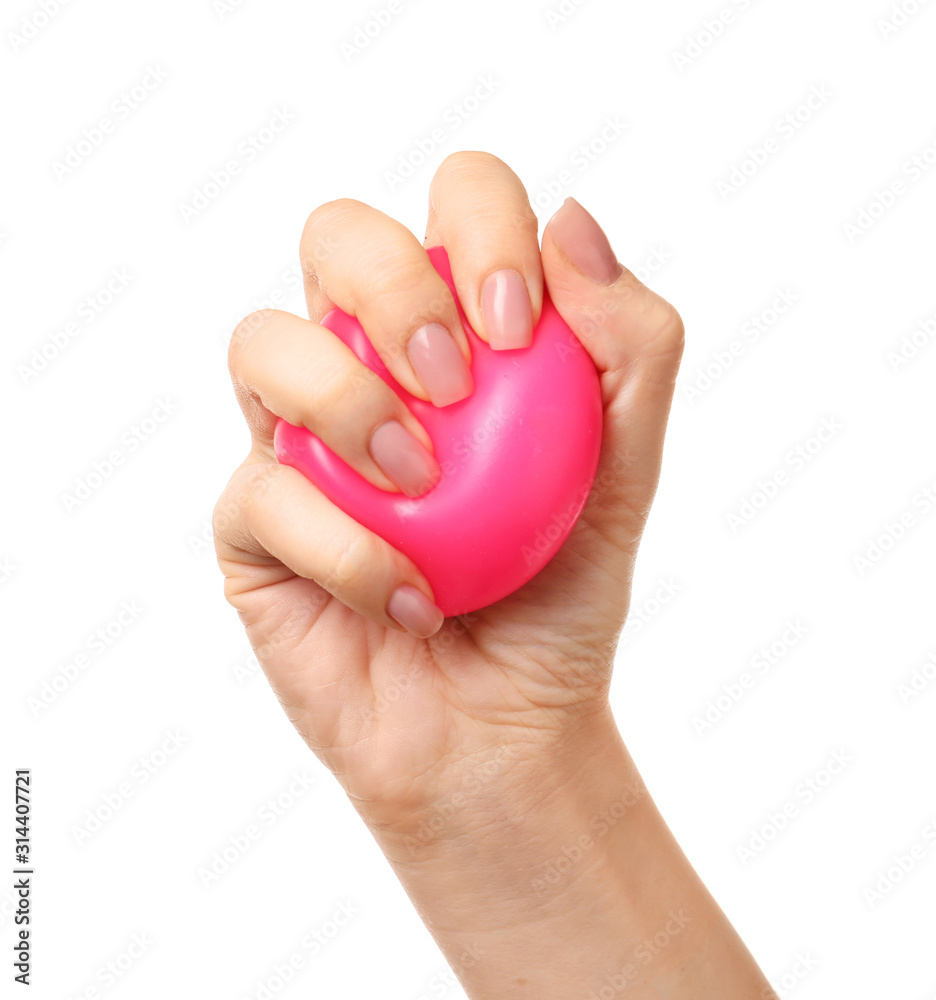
[[518, 458]]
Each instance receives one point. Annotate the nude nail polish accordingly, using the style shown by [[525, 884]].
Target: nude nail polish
[[414, 611], [506, 309], [584, 242], [439, 364], [404, 459]]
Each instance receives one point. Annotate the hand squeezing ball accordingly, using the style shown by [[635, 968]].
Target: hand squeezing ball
[[518, 458]]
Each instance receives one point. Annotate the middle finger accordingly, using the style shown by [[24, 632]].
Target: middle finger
[[375, 269]]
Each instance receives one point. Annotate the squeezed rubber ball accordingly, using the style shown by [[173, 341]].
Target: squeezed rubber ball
[[518, 459]]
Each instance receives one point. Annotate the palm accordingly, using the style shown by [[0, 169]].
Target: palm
[[388, 712]]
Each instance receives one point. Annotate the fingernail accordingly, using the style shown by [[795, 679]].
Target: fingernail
[[583, 241], [404, 459], [439, 364], [506, 310], [414, 611]]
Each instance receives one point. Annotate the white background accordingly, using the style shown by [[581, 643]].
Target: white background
[[722, 255]]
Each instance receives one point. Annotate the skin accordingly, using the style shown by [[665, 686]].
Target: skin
[[483, 756]]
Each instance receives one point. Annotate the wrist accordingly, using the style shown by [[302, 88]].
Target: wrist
[[533, 822], [561, 877], [514, 780]]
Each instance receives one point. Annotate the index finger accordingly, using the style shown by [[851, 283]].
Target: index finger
[[480, 212]]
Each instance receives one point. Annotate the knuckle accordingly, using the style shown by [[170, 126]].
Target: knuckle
[[354, 563], [234, 507], [323, 219], [244, 331], [432, 306], [223, 516], [469, 160], [672, 333], [324, 387], [401, 297], [398, 277], [330, 213], [228, 512], [482, 174], [665, 332], [319, 240]]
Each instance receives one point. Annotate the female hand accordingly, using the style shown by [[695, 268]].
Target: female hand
[[316, 590], [494, 724]]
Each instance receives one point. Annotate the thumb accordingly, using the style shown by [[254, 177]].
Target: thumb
[[635, 337]]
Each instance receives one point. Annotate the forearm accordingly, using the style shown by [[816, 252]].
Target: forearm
[[559, 879]]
